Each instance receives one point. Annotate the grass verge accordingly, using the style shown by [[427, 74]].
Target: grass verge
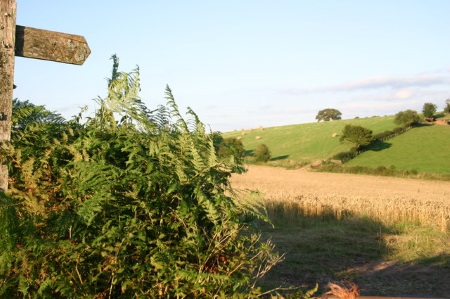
[[336, 246]]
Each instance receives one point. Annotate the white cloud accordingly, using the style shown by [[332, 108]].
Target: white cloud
[[420, 81], [404, 94]]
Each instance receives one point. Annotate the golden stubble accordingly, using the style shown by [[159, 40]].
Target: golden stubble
[[385, 199]]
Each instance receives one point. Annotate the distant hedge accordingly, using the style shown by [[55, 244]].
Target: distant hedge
[[380, 137]]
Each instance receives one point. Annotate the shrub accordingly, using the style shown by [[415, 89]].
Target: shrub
[[407, 118], [429, 109], [262, 153], [357, 135], [345, 156], [134, 207], [231, 147], [447, 106], [383, 136]]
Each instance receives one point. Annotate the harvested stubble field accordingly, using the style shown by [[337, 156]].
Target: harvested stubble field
[[386, 199], [390, 235]]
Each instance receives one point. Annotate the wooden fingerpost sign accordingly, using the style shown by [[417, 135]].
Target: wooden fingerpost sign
[[28, 42]]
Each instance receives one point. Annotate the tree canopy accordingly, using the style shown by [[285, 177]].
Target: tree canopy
[[407, 118], [429, 109], [447, 106], [328, 114], [262, 153], [357, 135]]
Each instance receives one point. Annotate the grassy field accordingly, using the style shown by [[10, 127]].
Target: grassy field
[[305, 143], [423, 149], [390, 236]]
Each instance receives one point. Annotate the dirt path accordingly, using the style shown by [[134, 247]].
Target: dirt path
[[271, 179]]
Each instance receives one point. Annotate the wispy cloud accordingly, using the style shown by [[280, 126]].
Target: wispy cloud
[[420, 81]]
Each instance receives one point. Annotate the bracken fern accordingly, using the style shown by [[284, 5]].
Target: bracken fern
[[130, 203]]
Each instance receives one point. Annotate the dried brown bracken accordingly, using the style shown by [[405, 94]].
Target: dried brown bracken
[[343, 291]]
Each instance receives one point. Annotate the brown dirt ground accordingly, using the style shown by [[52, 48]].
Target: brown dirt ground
[[386, 278]]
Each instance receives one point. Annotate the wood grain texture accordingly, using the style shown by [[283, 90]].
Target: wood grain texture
[[51, 45], [7, 36]]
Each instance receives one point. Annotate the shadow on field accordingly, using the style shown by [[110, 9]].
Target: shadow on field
[[379, 146], [418, 279], [423, 125], [284, 157], [337, 246]]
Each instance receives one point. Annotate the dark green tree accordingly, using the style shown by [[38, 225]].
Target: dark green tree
[[356, 135], [328, 114], [428, 110], [407, 118], [231, 147], [447, 106], [262, 153]]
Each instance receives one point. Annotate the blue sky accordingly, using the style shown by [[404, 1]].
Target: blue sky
[[248, 63]]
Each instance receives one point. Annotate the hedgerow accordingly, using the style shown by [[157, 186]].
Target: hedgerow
[[124, 203]]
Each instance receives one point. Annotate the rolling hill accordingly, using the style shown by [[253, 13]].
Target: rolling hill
[[424, 149]]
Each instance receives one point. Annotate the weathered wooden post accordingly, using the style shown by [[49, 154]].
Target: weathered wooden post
[[7, 41], [28, 42]]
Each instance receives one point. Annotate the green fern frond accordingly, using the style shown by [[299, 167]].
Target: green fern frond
[[124, 203], [174, 111]]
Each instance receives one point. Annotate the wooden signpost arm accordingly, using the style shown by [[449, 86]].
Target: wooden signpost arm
[[7, 41], [50, 45], [30, 43]]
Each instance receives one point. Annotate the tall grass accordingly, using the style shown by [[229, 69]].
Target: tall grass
[[291, 195], [305, 210]]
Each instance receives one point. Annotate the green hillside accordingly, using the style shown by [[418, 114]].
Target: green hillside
[[306, 143], [425, 149]]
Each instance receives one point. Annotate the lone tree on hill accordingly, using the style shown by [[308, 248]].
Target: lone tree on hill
[[429, 109], [262, 153], [328, 114], [357, 135], [407, 118]]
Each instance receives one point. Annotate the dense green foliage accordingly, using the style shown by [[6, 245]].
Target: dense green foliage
[[383, 136], [345, 156], [128, 203], [262, 153], [228, 148], [328, 114], [447, 106], [407, 118], [429, 109], [356, 135]]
